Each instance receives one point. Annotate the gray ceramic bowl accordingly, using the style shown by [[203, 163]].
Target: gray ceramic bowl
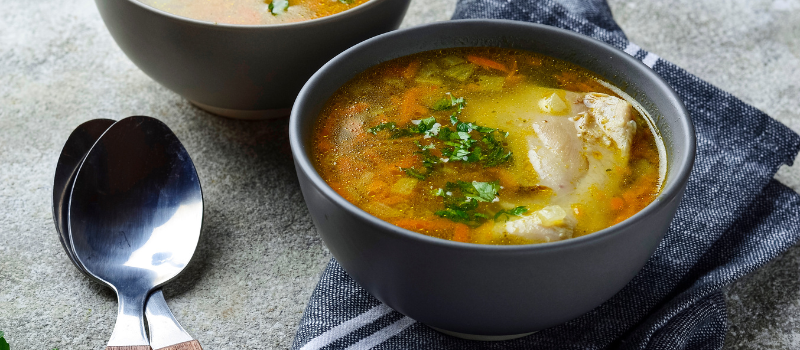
[[486, 290], [240, 71]]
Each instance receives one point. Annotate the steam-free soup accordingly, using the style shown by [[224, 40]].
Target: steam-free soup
[[488, 145], [253, 12]]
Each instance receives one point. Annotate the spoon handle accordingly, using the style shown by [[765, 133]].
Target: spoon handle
[[189, 345], [129, 331], [165, 331]]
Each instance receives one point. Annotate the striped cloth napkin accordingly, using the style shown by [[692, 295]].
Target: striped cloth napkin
[[734, 218]]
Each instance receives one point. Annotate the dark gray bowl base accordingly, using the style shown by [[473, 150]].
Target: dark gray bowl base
[[243, 113], [481, 337]]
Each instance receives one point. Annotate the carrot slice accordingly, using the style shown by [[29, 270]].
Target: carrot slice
[[512, 78], [487, 63], [411, 70], [639, 195], [461, 233], [416, 224], [410, 107], [617, 203], [376, 186]]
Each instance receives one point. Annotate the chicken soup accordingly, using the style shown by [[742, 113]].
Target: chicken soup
[[490, 146], [253, 12]]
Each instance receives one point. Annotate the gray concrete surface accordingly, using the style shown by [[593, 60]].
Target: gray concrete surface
[[260, 257]]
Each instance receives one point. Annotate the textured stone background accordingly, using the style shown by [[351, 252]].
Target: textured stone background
[[259, 257]]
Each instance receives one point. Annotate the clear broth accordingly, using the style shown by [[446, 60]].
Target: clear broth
[[251, 12], [367, 160]]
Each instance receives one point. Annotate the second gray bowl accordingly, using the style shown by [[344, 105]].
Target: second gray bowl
[[240, 71]]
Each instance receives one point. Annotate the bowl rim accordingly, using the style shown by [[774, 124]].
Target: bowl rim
[[311, 22], [673, 186]]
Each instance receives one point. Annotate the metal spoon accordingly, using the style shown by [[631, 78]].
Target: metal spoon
[[78, 144], [135, 214], [165, 331]]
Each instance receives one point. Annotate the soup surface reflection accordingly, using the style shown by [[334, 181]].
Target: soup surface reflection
[[488, 145], [253, 12]]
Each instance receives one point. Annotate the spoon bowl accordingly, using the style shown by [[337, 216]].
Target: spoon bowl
[[78, 143], [135, 215], [165, 331]]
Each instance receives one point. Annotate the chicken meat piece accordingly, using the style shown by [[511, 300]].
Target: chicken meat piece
[[556, 153], [608, 119], [549, 224], [565, 151], [571, 153]]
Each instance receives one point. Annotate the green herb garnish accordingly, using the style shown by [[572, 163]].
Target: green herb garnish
[[481, 191], [3, 343], [428, 127], [462, 199], [457, 102], [414, 173], [277, 7], [429, 161], [486, 146], [462, 141], [509, 213], [442, 104], [382, 126], [495, 154]]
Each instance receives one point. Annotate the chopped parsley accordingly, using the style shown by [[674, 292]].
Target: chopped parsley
[[414, 173], [277, 7], [449, 102], [427, 127], [462, 199], [429, 161], [457, 142], [509, 213], [461, 141], [441, 105], [486, 146], [382, 126]]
